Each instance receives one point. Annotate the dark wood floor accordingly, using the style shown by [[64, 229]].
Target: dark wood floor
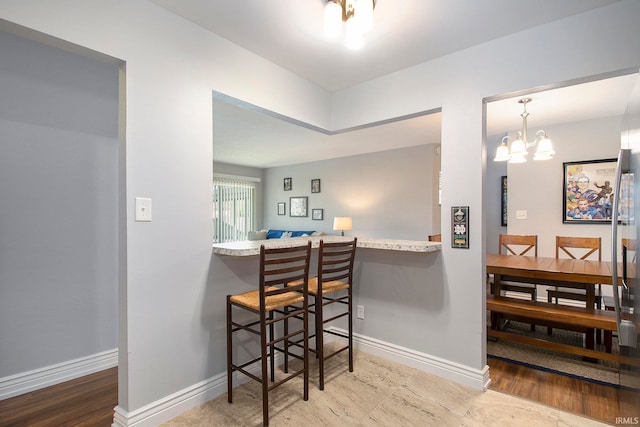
[[89, 401], [596, 401], [84, 402]]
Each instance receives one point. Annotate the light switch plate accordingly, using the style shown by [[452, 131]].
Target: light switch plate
[[521, 214], [143, 209]]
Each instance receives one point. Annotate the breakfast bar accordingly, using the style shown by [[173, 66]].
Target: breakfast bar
[[252, 247], [399, 284]]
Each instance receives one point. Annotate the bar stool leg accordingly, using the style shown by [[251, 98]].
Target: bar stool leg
[[229, 353], [265, 383], [319, 340]]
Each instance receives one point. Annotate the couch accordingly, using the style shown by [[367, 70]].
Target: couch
[[281, 234]]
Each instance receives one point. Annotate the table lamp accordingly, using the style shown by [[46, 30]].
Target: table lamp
[[342, 223]]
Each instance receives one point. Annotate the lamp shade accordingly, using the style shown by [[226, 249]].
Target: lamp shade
[[342, 223], [545, 150], [502, 153]]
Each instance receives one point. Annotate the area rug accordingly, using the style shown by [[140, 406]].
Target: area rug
[[602, 371]]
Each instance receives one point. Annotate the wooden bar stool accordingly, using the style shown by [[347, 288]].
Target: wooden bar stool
[[333, 286], [281, 296]]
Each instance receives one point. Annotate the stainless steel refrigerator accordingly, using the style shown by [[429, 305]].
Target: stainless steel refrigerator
[[625, 232]]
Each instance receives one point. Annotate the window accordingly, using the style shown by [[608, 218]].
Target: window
[[234, 207]]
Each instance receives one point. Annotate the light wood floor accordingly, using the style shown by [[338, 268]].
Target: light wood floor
[[90, 400]]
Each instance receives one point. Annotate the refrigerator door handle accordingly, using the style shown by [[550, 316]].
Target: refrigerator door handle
[[627, 334]]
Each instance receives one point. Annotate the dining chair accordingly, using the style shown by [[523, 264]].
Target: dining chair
[[332, 288], [576, 248], [519, 245], [435, 238], [276, 301]]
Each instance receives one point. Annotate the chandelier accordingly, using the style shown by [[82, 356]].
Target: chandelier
[[518, 151], [357, 16]]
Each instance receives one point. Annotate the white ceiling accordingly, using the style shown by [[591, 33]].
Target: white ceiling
[[407, 32]]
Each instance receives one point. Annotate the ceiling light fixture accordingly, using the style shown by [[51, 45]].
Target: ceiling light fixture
[[357, 16], [518, 151]]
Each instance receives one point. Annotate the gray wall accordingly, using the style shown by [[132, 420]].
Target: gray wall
[[388, 194], [168, 328], [58, 209], [537, 186]]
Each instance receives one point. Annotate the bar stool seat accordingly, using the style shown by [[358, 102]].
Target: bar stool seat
[[251, 299]]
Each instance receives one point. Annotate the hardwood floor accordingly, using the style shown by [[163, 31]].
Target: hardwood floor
[[83, 402], [90, 400], [596, 401]]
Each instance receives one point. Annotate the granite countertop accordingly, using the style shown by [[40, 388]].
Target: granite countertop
[[252, 247]]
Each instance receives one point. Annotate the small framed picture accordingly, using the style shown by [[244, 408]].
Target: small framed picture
[[287, 184], [298, 206], [315, 185], [460, 227], [317, 214], [282, 208], [503, 201]]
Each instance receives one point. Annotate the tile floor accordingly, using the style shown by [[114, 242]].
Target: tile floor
[[377, 393]]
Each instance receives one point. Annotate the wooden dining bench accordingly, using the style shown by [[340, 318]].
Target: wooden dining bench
[[556, 315]]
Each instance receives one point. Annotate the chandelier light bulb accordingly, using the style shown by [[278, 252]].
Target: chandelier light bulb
[[354, 38], [364, 14], [332, 19]]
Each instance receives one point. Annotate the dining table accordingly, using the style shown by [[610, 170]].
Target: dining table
[[572, 273]]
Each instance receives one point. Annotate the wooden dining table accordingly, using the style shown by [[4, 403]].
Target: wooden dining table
[[573, 273]]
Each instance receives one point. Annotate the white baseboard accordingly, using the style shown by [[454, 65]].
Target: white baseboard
[[25, 382], [477, 379], [182, 401], [170, 407]]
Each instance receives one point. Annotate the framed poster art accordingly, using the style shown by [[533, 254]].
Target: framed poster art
[[503, 201], [298, 206], [287, 184], [282, 208], [587, 191]]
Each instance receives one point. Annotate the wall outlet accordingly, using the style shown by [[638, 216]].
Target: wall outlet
[[361, 312]]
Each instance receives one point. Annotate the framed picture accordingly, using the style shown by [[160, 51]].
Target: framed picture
[[315, 185], [287, 184], [587, 191], [298, 206], [460, 227], [282, 208], [317, 214], [503, 200]]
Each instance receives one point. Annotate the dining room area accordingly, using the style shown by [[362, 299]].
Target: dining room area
[[560, 280]]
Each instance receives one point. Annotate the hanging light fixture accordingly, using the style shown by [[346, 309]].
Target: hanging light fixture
[[357, 16], [518, 152]]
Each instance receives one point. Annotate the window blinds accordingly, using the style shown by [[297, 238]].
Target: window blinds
[[234, 208]]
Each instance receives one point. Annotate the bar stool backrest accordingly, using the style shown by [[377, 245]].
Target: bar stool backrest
[[282, 266], [335, 261]]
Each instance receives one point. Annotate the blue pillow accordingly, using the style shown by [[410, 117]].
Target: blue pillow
[[274, 234], [301, 233], [277, 234]]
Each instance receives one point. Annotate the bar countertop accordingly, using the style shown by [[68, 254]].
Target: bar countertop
[[252, 247]]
